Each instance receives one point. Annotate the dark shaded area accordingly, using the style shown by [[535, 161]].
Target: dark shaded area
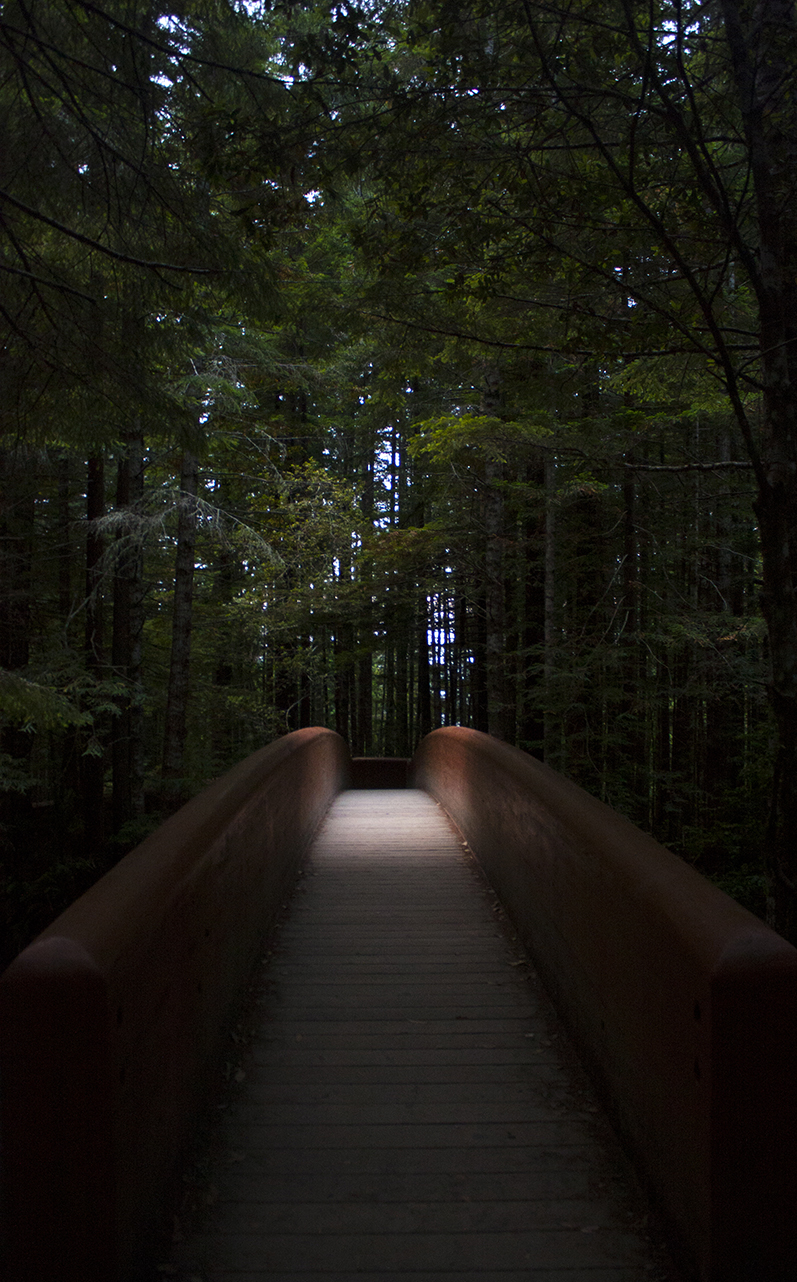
[[379, 772]]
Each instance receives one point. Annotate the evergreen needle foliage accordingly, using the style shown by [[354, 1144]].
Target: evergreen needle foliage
[[384, 366]]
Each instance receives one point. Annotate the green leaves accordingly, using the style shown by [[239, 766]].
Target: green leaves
[[34, 706], [57, 701], [477, 436]]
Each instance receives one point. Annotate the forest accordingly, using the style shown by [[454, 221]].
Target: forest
[[396, 364]]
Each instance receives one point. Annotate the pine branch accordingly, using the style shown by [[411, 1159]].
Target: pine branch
[[47, 284], [742, 465], [115, 254]]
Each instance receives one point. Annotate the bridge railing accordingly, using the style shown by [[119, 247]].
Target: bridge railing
[[111, 1019], [683, 1004]]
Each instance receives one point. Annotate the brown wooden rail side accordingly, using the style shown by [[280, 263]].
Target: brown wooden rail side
[[109, 1021], [683, 1003]]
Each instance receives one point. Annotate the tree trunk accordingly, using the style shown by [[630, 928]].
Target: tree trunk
[[495, 636], [17, 511], [93, 759], [551, 747], [479, 665], [342, 682], [64, 545], [776, 511], [494, 585], [424, 701], [365, 696], [67, 787], [531, 725], [762, 54], [16, 547], [402, 746], [173, 768], [627, 750], [128, 619]]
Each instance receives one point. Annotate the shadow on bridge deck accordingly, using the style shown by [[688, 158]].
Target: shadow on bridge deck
[[408, 1107]]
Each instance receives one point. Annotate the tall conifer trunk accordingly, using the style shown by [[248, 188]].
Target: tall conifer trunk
[[174, 735], [342, 682], [424, 724], [17, 509], [762, 42], [499, 693], [495, 631], [68, 785], [627, 753], [128, 620], [365, 697], [402, 746], [93, 762], [551, 747], [64, 544], [531, 725]]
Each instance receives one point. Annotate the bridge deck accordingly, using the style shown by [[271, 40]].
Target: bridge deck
[[408, 1108]]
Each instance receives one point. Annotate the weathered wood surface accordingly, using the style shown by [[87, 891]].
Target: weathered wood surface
[[409, 1109]]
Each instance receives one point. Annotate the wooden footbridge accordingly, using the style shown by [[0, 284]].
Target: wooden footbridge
[[404, 1103]]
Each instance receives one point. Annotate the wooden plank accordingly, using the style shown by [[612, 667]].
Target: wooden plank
[[407, 1107], [571, 1180], [524, 1275], [401, 1253]]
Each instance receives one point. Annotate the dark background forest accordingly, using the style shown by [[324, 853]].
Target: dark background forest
[[392, 365]]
